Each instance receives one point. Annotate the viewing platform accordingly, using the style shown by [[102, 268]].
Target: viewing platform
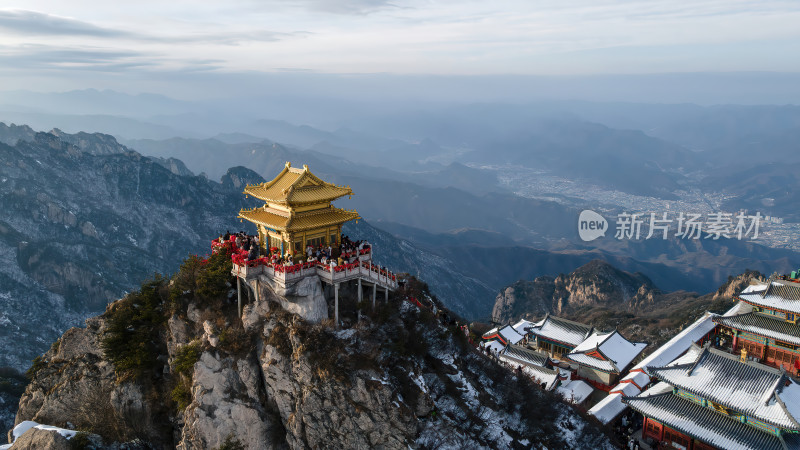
[[362, 269]]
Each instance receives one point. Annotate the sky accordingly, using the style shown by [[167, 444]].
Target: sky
[[152, 45]]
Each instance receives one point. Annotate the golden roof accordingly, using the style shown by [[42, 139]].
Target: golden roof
[[297, 187], [319, 218]]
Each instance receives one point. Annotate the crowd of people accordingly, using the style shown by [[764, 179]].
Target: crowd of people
[[350, 247], [625, 429], [243, 246], [245, 250]]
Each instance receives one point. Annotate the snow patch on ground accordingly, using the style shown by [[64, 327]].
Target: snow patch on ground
[[384, 382], [420, 382], [20, 429], [405, 307], [448, 359], [470, 395], [346, 334]]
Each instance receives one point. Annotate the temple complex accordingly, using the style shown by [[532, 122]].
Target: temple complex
[[709, 398], [638, 378], [734, 390], [765, 327], [571, 358]]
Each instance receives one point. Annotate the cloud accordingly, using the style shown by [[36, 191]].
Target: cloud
[[65, 60], [47, 57], [227, 38], [356, 7], [36, 23], [32, 23]]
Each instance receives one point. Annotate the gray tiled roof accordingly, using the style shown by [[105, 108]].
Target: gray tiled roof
[[783, 295], [787, 290], [563, 330], [763, 325], [702, 423], [748, 387], [526, 356]]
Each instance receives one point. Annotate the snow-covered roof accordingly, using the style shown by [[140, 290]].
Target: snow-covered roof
[[627, 389], [613, 352], [738, 308], [494, 346], [523, 326], [575, 391], [507, 334], [747, 387], [510, 335], [776, 294], [526, 356], [753, 288], [704, 424], [541, 322], [534, 364], [542, 375], [612, 406], [641, 379], [679, 343], [609, 408], [562, 330], [771, 327]]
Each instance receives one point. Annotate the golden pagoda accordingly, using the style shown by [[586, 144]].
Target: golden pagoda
[[297, 211]]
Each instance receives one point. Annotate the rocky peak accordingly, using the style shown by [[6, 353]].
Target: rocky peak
[[171, 365], [238, 177], [11, 134], [524, 299], [599, 283], [175, 166], [736, 284], [92, 143], [596, 283]]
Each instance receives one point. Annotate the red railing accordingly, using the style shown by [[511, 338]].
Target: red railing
[[239, 258]]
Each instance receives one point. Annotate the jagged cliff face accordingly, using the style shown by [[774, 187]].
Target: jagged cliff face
[[399, 378], [737, 284], [594, 284], [83, 221]]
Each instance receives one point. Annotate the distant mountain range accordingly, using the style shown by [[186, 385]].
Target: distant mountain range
[[84, 220], [74, 205]]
